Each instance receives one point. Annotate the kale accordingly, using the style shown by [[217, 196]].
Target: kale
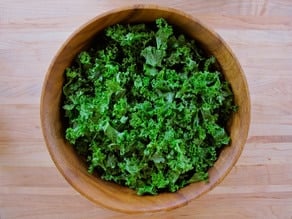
[[148, 109]]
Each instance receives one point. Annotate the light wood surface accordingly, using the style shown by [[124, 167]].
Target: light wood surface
[[258, 32]]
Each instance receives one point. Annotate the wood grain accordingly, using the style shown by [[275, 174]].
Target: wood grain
[[259, 33]]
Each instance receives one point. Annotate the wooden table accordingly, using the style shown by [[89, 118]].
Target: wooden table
[[260, 34]]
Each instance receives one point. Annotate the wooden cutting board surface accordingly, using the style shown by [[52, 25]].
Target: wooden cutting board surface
[[259, 33]]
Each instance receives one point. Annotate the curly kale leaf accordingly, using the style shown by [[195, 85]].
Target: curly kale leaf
[[148, 109]]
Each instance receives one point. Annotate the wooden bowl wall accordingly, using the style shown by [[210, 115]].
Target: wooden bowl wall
[[75, 171]]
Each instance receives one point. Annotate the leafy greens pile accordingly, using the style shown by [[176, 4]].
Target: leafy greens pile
[[147, 108]]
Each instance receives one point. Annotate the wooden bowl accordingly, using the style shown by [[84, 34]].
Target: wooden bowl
[[110, 194]]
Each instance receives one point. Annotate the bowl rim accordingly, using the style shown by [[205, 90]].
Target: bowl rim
[[184, 200]]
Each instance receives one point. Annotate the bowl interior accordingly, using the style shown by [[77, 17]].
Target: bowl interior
[[68, 162]]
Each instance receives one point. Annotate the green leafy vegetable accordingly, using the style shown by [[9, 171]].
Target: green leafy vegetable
[[148, 109]]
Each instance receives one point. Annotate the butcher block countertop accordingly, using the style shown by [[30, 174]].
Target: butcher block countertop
[[260, 34]]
